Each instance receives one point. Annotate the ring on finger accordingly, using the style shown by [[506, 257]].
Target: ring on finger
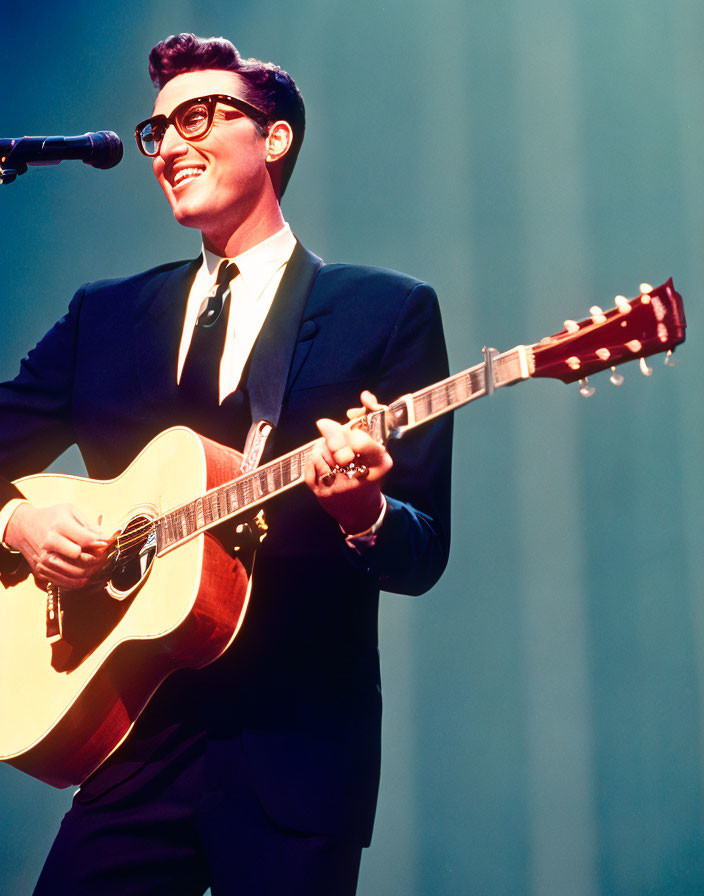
[[352, 470], [328, 478]]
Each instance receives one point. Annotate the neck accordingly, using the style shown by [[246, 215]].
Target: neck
[[258, 225]]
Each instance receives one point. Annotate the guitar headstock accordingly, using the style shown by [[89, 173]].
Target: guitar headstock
[[653, 322]]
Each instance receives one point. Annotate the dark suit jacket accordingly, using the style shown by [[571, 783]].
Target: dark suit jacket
[[301, 683]]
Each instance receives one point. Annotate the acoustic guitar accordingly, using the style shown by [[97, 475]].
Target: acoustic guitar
[[77, 667]]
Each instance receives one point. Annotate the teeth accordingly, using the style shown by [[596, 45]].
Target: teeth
[[185, 173]]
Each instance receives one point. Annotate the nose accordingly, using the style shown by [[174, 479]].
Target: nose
[[172, 144]]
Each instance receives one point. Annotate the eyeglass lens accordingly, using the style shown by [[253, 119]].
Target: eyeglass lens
[[191, 119]]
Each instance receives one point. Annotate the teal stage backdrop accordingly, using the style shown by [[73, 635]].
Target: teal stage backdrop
[[545, 703]]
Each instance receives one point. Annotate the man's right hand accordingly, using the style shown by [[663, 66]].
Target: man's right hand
[[59, 545]]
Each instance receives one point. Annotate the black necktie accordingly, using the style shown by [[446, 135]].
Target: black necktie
[[200, 377]]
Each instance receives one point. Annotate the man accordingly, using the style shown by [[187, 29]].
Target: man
[[259, 773]]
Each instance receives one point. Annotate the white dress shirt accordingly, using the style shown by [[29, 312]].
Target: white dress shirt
[[252, 292]]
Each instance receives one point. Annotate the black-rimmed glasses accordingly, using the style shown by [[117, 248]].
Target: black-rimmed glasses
[[193, 120]]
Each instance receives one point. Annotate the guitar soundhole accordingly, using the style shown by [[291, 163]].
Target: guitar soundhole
[[136, 549]]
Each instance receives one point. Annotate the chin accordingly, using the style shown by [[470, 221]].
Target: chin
[[187, 217]]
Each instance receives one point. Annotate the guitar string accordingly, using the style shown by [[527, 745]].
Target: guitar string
[[281, 468], [438, 397], [134, 538], [130, 544]]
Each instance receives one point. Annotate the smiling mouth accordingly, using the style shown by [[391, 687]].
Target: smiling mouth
[[185, 175]]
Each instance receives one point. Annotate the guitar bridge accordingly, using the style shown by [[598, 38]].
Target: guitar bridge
[[54, 613]]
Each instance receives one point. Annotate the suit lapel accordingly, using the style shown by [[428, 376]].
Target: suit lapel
[[175, 284], [271, 361], [159, 315]]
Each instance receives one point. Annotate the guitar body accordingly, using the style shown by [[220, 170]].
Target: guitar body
[[66, 704]]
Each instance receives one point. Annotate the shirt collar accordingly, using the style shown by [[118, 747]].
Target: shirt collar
[[258, 264]]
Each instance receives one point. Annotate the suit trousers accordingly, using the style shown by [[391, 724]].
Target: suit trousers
[[173, 829]]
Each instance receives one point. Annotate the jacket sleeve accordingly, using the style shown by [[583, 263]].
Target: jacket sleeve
[[35, 410], [35, 407], [413, 542]]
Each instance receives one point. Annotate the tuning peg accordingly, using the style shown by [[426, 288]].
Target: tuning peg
[[598, 316], [616, 378], [645, 289], [670, 360], [623, 305], [585, 390], [571, 326], [644, 369]]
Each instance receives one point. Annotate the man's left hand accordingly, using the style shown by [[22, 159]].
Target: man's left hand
[[354, 500]]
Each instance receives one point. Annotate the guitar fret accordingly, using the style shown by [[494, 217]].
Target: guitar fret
[[160, 534], [476, 383], [455, 391], [507, 369], [206, 510], [221, 502]]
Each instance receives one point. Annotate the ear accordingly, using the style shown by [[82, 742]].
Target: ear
[[279, 141]]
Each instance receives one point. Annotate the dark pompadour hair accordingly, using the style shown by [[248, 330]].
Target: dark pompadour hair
[[268, 87]]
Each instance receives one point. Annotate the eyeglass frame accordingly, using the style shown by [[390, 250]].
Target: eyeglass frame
[[210, 100]]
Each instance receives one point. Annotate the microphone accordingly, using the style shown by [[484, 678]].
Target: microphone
[[101, 149]]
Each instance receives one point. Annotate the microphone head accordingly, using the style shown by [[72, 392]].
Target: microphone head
[[107, 149]]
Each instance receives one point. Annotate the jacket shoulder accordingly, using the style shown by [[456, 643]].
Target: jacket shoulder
[[137, 282], [357, 287], [364, 275]]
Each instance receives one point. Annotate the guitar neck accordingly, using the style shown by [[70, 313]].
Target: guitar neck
[[417, 408], [249, 491]]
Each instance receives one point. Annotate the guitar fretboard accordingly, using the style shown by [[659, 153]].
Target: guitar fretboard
[[461, 388], [249, 491]]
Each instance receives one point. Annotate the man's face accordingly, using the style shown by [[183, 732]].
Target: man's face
[[217, 182]]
